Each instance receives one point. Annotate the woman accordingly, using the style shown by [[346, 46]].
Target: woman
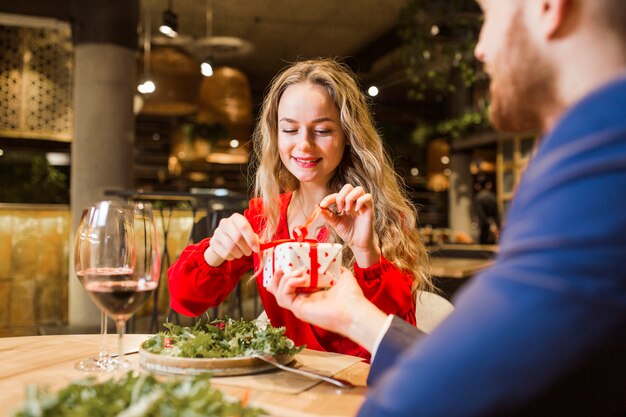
[[315, 143]]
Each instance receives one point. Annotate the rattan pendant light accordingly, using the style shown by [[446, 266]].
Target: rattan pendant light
[[177, 78], [225, 99]]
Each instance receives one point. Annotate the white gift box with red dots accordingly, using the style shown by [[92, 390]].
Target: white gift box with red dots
[[293, 256]]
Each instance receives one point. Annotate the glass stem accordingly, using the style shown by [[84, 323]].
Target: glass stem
[[121, 328], [103, 333]]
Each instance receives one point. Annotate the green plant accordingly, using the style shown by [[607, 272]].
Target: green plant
[[439, 37], [453, 128], [212, 132], [32, 180]]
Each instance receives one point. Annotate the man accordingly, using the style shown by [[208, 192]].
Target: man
[[543, 331], [486, 206]]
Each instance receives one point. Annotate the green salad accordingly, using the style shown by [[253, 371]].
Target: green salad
[[134, 395], [222, 338]]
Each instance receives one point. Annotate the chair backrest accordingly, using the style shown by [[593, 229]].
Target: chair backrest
[[430, 310], [262, 318], [204, 226]]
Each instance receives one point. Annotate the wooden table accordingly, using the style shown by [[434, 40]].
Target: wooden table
[[460, 260], [447, 267], [49, 361]]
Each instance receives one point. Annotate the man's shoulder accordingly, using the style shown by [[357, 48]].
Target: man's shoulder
[[399, 337]]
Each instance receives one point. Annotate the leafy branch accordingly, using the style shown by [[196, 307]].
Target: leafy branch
[[453, 128], [211, 132], [439, 39]]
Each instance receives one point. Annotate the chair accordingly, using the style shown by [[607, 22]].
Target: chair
[[262, 318], [430, 310], [203, 227]]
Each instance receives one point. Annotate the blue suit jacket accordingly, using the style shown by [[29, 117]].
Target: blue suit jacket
[[543, 331]]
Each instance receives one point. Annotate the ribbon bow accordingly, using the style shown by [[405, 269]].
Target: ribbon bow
[[300, 233]]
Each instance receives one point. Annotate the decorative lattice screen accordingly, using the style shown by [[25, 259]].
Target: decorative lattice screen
[[36, 83]]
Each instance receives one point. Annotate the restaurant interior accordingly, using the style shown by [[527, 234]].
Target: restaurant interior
[[99, 101]]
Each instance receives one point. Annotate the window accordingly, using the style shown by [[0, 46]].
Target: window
[[513, 156]]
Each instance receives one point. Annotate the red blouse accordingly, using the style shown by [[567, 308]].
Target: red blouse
[[195, 286]]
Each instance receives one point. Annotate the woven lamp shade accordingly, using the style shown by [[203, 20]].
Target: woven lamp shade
[[437, 180], [176, 75], [226, 98]]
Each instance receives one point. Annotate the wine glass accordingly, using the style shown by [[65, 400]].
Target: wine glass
[[119, 261], [103, 362]]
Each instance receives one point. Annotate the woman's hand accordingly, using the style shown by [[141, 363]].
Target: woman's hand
[[233, 238], [354, 222]]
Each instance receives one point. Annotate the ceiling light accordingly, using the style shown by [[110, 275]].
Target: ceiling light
[[372, 91], [206, 69], [58, 158], [234, 143], [169, 27], [146, 87]]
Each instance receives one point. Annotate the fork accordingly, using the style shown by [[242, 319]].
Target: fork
[[342, 383]]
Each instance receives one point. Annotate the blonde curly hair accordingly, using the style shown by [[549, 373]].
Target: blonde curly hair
[[365, 163]]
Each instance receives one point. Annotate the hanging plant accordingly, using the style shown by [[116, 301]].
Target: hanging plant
[[453, 128], [439, 39], [32, 180], [212, 132]]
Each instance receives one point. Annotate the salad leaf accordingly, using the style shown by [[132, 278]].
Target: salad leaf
[[134, 395], [221, 338]]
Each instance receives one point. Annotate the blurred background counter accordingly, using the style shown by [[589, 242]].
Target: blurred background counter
[[35, 247], [454, 265]]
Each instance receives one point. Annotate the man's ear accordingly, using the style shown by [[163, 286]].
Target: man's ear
[[553, 14]]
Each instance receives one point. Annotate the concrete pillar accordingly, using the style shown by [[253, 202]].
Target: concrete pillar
[[460, 194], [105, 37]]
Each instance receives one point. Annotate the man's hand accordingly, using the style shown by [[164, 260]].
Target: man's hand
[[341, 309]]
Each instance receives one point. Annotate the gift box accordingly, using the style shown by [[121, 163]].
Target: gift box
[[320, 262]]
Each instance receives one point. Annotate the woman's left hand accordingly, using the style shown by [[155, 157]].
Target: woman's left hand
[[353, 221]]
